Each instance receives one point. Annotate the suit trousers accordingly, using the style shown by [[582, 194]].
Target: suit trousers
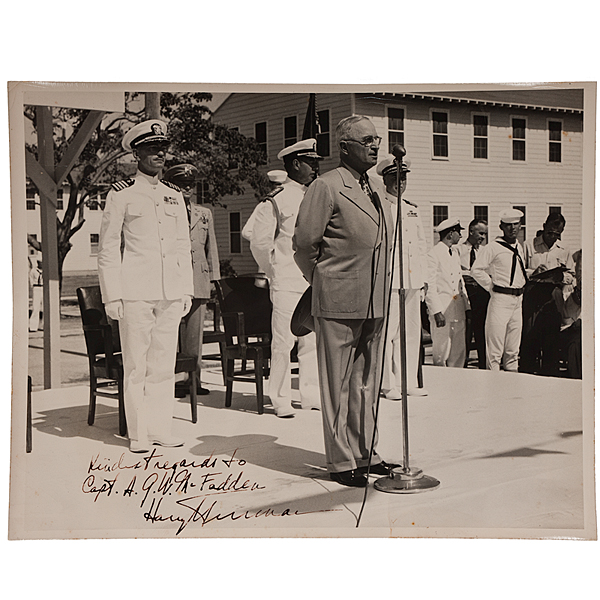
[[349, 353], [503, 331], [194, 331], [149, 331], [280, 378], [391, 368], [478, 299], [448, 343]]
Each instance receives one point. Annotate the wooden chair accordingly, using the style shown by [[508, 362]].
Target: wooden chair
[[106, 361], [246, 313], [215, 335], [104, 352]]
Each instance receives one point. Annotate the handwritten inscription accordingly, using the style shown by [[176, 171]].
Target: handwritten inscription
[[152, 480]]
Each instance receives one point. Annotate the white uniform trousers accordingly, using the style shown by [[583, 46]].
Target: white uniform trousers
[[36, 307], [149, 331], [449, 342], [280, 378], [503, 326], [391, 368]]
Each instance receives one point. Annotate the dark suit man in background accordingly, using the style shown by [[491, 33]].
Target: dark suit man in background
[[342, 245]]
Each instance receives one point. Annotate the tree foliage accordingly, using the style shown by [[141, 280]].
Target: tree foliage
[[226, 160]]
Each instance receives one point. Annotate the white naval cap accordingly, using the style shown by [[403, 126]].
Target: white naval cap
[[145, 132], [448, 224], [277, 176], [302, 148], [388, 165], [511, 215]]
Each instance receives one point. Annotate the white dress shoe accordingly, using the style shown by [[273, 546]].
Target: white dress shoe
[[393, 394], [417, 392], [138, 446], [285, 413], [167, 442]]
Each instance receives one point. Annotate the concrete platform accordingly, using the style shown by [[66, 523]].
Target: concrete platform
[[509, 450]]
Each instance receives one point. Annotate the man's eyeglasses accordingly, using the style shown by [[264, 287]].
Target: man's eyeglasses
[[367, 141]]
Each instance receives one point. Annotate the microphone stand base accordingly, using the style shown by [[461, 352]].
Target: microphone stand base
[[411, 481]]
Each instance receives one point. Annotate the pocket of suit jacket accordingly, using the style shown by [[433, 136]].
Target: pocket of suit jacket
[[340, 292]]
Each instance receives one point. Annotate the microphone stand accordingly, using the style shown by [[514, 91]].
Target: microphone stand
[[404, 479]]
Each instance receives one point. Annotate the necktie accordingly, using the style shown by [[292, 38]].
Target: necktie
[[516, 257], [366, 188], [472, 257]]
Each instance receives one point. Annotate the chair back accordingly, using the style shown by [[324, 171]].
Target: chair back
[[94, 321], [247, 295]]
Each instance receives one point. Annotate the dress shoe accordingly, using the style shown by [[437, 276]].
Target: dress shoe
[[202, 391], [311, 407], [285, 413], [392, 394], [417, 392], [167, 442], [350, 478], [138, 446], [381, 468]]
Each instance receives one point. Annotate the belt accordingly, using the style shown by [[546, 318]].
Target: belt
[[508, 290]]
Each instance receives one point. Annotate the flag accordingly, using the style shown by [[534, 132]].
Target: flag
[[311, 122]]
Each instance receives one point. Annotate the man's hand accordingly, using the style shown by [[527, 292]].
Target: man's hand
[[540, 269], [187, 304], [114, 309], [440, 320]]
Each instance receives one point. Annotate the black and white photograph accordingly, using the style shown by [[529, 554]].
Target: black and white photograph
[[326, 311]]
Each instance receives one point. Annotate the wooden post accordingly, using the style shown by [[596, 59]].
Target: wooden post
[[152, 105], [48, 203]]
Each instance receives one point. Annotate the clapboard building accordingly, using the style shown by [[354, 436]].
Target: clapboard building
[[472, 154]]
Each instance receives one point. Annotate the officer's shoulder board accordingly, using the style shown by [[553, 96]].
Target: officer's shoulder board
[[171, 185], [122, 185], [411, 203]]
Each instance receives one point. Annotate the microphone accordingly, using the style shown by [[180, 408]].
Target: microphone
[[399, 151]]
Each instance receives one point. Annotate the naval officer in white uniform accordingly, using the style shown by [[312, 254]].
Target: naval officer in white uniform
[[148, 285], [271, 245], [414, 259]]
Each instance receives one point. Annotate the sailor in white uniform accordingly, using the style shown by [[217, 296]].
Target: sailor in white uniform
[[147, 285], [500, 269]]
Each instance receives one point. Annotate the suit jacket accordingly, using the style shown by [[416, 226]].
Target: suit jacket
[[446, 292], [205, 256], [342, 245], [156, 261]]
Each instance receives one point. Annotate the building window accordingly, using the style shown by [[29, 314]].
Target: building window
[[290, 131], [554, 141], [555, 209], [395, 127], [440, 133], [260, 135], [59, 194], [59, 205], [522, 233], [93, 204], [94, 242], [202, 192], [30, 193], [518, 139], [481, 213], [235, 233], [30, 204], [440, 213], [323, 137], [480, 136]]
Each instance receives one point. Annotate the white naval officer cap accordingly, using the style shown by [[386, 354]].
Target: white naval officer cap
[[145, 132], [448, 224], [511, 215], [388, 165], [302, 148], [277, 176]]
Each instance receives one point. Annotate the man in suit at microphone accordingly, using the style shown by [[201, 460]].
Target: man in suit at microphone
[[342, 244]]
